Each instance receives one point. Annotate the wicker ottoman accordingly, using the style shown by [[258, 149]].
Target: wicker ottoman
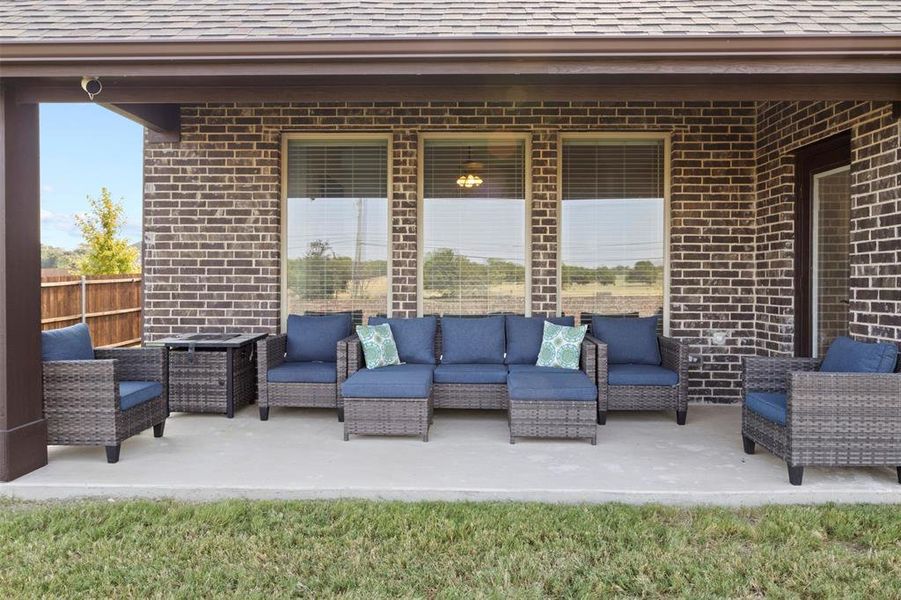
[[555, 405], [387, 416]]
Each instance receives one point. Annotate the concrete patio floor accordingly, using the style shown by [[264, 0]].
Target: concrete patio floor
[[299, 453]]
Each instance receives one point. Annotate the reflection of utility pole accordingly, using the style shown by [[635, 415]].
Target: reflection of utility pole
[[358, 251]]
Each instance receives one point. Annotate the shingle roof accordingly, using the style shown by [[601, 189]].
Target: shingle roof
[[27, 20]]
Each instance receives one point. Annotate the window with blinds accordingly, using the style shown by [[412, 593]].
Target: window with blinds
[[474, 238], [612, 227], [337, 226]]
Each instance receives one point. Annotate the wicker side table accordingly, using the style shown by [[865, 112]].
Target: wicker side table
[[211, 373]]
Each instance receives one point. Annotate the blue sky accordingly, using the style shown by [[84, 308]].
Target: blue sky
[[85, 147]]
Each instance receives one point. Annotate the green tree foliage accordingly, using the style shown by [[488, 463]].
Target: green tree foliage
[[321, 274], [106, 253], [53, 257], [447, 273], [645, 272], [575, 275]]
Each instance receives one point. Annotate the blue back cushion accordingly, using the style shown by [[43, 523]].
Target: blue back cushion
[[316, 337], [850, 356], [524, 337], [67, 343], [629, 340], [476, 340], [415, 338]]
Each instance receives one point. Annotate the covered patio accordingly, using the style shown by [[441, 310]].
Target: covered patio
[[708, 129], [298, 454]]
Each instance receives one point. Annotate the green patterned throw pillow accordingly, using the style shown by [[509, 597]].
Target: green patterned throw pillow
[[379, 348], [561, 346]]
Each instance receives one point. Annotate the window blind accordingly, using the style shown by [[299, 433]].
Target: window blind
[[612, 227], [474, 238], [337, 226]]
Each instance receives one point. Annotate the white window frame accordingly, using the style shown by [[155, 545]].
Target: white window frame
[[613, 136], [499, 136], [388, 138]]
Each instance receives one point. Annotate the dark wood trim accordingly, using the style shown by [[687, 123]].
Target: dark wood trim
[[23, 430], [160, 118], [827, 154], [409, 89]]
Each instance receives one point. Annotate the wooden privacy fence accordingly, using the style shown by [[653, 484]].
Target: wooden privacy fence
[[109, 304]]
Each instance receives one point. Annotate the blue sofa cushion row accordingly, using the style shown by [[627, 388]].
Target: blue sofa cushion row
[[312, 338], [67, 343], [572, 386], [472, 373], [415, 338], [132, 393], [850, 356], [395, 381], [303, 372], [468, 341], [524, 337], [629, 340], [769, 405], [640, 375]]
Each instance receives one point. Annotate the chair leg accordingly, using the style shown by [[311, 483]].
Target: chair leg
[[795, 475], [341, 415], [602, 417], [899, 474], [264, 413], [748, 444], [680, 417], [112, 453], [158, 429]]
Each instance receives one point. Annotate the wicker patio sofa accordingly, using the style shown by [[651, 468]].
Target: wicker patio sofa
[[653, 376], [813, 413], [101, 397], [300, 368], [478, 357]]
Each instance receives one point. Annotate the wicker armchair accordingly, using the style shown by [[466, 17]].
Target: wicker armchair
[[270, 354], [82, 402], [674, 357], [831, 419]]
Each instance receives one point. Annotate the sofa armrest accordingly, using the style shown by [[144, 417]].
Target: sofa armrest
[[354, 355], [854, 409], [344, 349], [271, 352], [588, 359], [138, 364], [600, 368], [769, 374], [83, 385]]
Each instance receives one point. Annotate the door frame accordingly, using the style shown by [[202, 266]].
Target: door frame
[[822, 156]]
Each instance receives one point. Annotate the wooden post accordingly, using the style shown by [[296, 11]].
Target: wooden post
[[84, 299], [23, 430]]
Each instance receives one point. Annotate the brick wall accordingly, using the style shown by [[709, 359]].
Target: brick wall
[[875, 261], [212, 213]]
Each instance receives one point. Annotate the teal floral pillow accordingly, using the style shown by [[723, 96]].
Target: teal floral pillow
[[379, 348], [561, 346]]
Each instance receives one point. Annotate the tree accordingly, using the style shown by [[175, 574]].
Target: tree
[[106, 252], [644, 271]]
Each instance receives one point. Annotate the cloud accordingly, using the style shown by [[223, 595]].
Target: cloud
[[47, 189], [59, 222]]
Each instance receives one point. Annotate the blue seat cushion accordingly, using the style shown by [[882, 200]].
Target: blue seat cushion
[[303, 372], [395, 381], [629, 340], [474, 373], [769, 405], [475, 340], [537, 369], [524, 336], [850, 356], [132, 393], [415, 338], [315, 338], [572, 386], [67, 343], [640, 375]]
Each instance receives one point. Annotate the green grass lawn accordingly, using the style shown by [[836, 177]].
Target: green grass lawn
[[445, 550]]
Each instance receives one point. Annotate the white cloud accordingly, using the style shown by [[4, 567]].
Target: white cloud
[[47, 189]]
